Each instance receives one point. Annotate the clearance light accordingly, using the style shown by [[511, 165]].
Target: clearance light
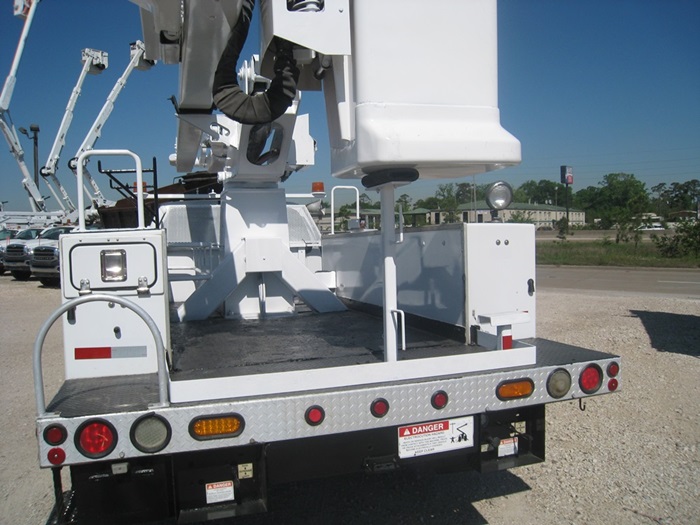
[[515, 389], [216, 427], [558, 383], [613, 369], [315, 415], [150, 433], [55, 434], [439, 399], [318, 188], [591, 379], [96, 438], [56, 456], [379, 407], [612, 385]]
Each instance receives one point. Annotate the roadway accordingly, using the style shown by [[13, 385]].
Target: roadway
[[668, 282]]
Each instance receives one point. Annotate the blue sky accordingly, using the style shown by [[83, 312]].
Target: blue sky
[[601, 85]]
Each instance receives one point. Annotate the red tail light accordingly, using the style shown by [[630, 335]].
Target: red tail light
[[439, 399], [613, 369], [315, 415], [379, 407], [591, 379], [55, 434], [96, 438]]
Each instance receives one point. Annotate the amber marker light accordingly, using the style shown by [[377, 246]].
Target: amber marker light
[[217, 427], [515, 389]]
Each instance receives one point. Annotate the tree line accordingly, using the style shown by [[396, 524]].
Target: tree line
[[617, 199]]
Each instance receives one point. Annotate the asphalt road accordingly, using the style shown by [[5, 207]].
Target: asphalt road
[[680, 283]]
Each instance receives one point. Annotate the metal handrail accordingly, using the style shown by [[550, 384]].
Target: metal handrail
[[43, 331], [357, 203], [82, 159]]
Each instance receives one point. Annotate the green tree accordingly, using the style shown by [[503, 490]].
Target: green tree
[[429, 203], [543, 192], [675, 197], [404, 201], [685, 241], [619, 198], [447, 200]]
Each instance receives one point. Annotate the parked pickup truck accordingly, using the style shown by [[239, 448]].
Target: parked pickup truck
[[18, 255], [15, 238]]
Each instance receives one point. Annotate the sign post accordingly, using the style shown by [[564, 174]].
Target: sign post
[[567, 177]]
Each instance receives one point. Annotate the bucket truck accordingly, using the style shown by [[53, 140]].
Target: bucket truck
[[234, 347], [25, 10], [94, 62], [136, 61]]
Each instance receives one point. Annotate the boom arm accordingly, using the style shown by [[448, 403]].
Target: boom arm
[[8, 130], [94, 62], [137, 62]]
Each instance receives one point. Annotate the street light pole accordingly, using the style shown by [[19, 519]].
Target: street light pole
[[34, 128]]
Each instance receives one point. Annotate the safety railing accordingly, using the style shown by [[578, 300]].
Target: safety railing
[[163, 397]]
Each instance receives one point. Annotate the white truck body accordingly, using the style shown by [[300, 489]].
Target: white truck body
[[236, 347]]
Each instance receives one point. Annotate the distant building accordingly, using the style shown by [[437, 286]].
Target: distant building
[[537, 214]]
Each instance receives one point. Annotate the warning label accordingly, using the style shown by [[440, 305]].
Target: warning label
[[436, 436], [219, 491]]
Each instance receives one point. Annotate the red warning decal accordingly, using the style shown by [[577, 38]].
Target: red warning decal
[[425, 428]]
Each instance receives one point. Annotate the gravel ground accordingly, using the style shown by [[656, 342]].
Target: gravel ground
[[629, 458]]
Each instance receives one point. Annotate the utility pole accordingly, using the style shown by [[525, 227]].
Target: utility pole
[[34, 128]]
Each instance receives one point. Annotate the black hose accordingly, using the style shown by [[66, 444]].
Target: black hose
[[258, 108]]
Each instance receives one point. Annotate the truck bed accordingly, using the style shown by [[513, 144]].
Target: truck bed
[[230, 348], [305, 341]]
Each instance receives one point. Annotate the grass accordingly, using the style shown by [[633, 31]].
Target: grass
[[607, 253]]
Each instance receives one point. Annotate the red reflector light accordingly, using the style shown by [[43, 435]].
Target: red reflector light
[[613, 369], [314, 415], [96, 438], [56, 456], [55, 434], [379, 407], [612, 385], [439, 399], [591, 379]]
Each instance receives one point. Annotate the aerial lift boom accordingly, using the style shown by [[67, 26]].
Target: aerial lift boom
[[94, 62], [24, 9], [137, 62]]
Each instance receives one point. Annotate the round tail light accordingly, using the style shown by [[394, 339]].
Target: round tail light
[[315, 415], [150, 433], [559, 383], [96, 438], [56, 456], [379, 407], [55, 434], [613, 369], [591, 379], [439, 399]]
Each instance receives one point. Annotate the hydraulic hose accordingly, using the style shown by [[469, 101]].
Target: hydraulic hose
[[258, 108]]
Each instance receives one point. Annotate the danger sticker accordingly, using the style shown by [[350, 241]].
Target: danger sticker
[[436, 436], [219, 491]]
